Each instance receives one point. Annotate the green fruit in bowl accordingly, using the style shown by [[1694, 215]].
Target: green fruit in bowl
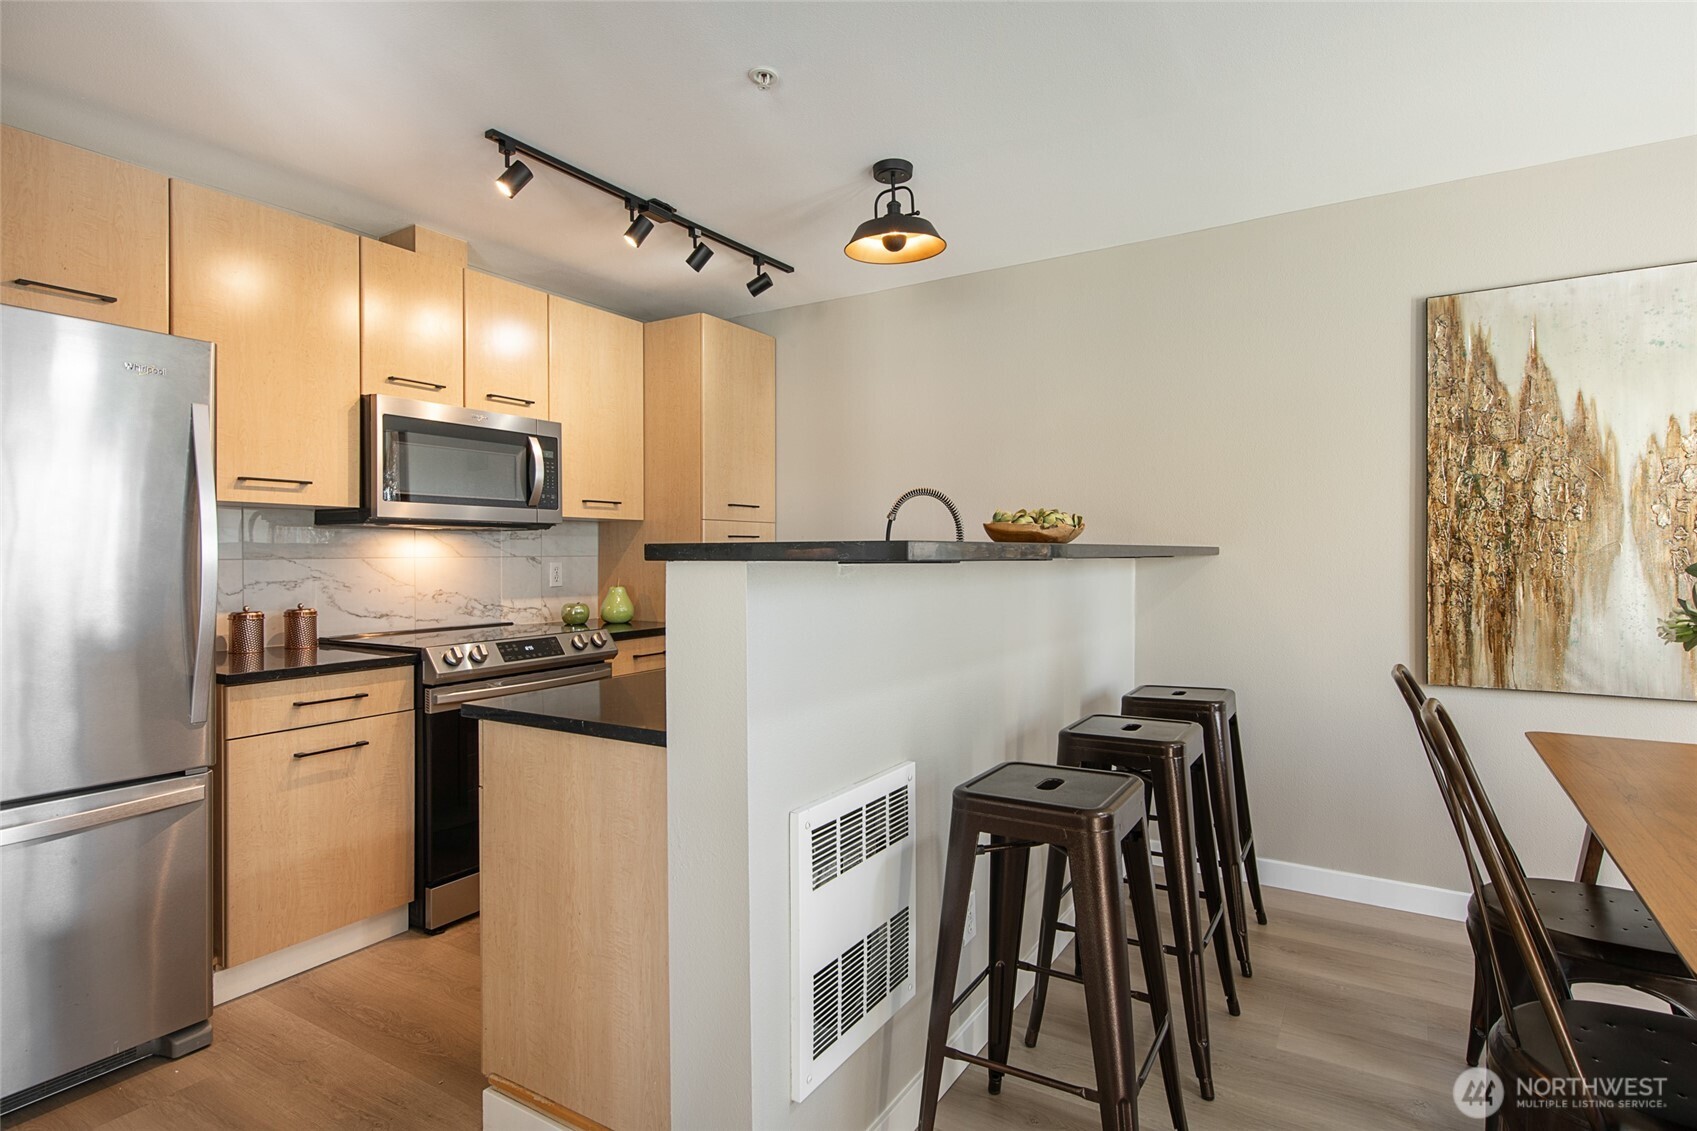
[[1001, 516]]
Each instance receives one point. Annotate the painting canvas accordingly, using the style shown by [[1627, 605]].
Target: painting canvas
[[1561, 468]]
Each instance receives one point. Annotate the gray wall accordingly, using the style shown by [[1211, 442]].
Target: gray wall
[[1259, 387]]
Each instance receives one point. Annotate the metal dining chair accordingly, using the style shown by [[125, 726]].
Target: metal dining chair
[[1600, 933], [1562, 1061]]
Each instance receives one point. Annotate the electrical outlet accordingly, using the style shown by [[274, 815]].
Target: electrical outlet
[[971, 918], [556, 574]]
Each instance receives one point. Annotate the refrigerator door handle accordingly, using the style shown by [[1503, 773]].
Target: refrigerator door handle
[[206, 529], [187, 793]]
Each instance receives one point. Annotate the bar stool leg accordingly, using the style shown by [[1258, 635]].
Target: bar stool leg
[[1052, 884], [1136, 853], [1230, 857], [1245, 828], [957, 889], [1008, 867], [1179, 844], [1208, 849], [1101, 941]]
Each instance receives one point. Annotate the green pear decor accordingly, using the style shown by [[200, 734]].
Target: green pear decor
[[616, 609]]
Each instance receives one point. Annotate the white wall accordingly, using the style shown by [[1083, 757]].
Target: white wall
[[1259, 387], [788, 682]]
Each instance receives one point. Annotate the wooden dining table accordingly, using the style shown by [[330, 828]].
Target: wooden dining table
[[1639, 801]]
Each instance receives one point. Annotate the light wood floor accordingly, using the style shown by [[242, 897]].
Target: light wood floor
[[1354, 1019]]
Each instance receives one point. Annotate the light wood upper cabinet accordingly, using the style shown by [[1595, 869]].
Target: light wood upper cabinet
[[596, 392], [279, 295], [412, 324], [74, 220], [506, 346], [738, 423]]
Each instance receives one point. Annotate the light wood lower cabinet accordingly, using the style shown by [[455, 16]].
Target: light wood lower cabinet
[[647, 654], [259, 708], [315, 828], [71, 221], [574, 944]]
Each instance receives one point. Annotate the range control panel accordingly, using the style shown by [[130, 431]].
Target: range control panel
[[476, 659]]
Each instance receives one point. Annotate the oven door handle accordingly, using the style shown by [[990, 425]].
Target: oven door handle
[[536, 472], [440, 699]]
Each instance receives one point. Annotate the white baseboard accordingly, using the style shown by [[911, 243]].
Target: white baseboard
[[1353, 887], [503, 1113], [227, 985], [972, 1033]]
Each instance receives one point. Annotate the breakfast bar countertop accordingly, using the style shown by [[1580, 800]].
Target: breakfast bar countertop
[[628, 708], [873, 552]]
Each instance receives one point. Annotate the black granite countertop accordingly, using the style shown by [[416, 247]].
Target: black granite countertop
[[630, 708], [635, 630], [876, 552], [278, 663]]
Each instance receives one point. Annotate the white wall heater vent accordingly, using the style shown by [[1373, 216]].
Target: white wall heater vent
[[852, 922]]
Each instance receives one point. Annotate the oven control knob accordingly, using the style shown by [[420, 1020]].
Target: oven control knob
[[579, 641], [453, 656], [599, 640], [478, 653]]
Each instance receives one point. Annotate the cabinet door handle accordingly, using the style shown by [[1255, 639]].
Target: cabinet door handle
[[505, 399], [742, 537], [333, 699], [603, 502], [331, 749], [38, 284], [272, 479], [415, 382], [647, 655], [745, 506]]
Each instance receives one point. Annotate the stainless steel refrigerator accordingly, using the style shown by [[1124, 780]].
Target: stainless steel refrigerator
[[109, 548]]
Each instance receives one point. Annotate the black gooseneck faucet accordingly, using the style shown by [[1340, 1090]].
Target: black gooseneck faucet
[[954, 512]]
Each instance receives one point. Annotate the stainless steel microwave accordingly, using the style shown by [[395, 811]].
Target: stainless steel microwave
[[428, 464]]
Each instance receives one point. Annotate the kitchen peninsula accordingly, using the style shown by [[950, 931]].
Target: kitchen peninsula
[[794, 670]]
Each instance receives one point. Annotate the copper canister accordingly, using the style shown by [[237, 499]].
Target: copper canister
[[247, 632], [300, 628]]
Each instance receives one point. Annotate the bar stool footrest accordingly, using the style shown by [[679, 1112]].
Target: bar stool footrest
[[1078, 1090]]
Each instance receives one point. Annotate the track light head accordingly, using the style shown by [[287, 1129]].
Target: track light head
[[762, 282], [516, 176], [700, 254], [640, 226]]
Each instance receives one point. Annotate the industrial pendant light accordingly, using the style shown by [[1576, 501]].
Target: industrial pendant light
[[894, 237]]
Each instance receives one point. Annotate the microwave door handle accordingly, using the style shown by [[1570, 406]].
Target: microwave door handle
[[535, 499], [206, 531]]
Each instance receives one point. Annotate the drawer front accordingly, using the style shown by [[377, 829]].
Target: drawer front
[[318, 831], [718, 530], [260, 708], [643, 655]]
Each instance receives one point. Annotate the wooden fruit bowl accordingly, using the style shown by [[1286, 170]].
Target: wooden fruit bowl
[[1031, 532]]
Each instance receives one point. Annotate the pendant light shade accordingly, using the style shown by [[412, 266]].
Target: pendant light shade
[[896, 236]]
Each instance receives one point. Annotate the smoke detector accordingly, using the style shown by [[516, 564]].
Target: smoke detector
[[763, 77]]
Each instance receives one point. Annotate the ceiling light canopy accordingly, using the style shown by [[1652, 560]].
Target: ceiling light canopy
[[894, 237], [645, 212]]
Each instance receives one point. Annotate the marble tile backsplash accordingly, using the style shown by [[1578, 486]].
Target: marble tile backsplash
[[363, 579]]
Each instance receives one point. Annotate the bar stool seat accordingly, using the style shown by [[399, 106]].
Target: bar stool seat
[[1167, 756], [1215, 710], [1097, 817]]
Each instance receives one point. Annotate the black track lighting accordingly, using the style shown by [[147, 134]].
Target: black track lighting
[[516, 176], [645, 212], [762, 282], [894, 237], [698, 257], [640, 226]]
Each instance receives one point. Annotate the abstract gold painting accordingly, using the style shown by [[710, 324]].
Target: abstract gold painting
[[1561, 483]]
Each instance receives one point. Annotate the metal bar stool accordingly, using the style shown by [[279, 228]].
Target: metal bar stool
[[1098, 818], [1168, 757], [1215, 708]]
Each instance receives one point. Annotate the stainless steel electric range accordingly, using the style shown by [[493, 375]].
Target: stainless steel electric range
[[460, 665]]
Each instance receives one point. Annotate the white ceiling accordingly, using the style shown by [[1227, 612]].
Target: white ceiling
[[1037, 129]]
